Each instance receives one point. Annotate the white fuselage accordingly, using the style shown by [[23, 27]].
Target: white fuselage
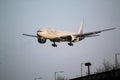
[[52, 33]]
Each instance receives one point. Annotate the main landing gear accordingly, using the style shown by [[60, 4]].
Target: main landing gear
[[54, 45], [70, 44]]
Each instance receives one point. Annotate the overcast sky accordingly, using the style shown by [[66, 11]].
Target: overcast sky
[[23, 58]]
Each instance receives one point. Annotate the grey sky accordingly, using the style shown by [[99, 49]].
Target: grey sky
[[23, 58]]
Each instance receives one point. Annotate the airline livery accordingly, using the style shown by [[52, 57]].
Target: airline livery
[[63, 36]]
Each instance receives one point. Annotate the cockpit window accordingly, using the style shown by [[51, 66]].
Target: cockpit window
[[39, 31], [42, 30]]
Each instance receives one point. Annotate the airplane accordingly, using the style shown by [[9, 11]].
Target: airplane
[[62, 36]]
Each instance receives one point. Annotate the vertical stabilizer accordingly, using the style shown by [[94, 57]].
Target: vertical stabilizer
[[80, 31]]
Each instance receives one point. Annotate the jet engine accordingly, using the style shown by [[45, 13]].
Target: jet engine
[[41, 40], [70, 38]]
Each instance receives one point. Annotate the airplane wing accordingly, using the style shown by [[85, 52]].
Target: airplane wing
[[92, 34], [30, 35], [69, 37]]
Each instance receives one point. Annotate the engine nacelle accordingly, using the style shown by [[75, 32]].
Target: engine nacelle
[[70, 38], [41, 40]]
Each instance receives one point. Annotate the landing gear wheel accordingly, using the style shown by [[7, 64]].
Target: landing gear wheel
[[70, 44], [54, 45]]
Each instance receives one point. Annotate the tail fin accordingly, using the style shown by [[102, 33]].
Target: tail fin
[[80, 28]]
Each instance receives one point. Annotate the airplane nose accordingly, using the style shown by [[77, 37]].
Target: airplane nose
[[38, 34], [39, 31]]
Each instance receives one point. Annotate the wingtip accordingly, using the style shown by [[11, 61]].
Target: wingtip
[[113, 28], [109, 29], [23, 34]]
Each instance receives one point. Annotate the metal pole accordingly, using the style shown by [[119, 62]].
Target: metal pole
[[88, 72], [116, 62], [81, 68], [56, 74], [88, 65]]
